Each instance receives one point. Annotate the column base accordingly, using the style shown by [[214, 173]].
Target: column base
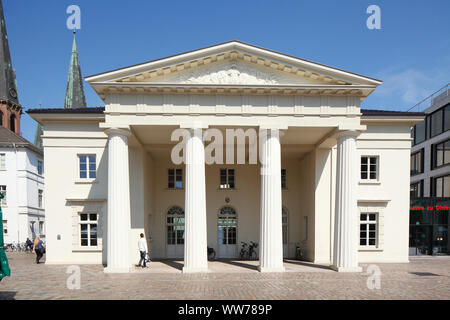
[[270, 269], [195, 270], [117, 270], [346, 269]]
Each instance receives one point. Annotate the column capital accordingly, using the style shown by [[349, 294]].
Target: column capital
[[120, 131]]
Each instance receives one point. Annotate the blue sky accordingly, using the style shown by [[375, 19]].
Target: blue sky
[[411, 52]]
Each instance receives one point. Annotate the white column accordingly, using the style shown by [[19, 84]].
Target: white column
[[345, 256], [118, 220], [271, 239], [195, 243]]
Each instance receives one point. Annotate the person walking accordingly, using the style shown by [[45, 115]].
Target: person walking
[[142, 244], [39, 249], [28, 245]]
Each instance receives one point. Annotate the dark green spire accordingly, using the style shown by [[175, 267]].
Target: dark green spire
[[8, 86], [74, 92]]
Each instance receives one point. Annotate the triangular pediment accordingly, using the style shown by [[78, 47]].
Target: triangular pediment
[[232, 72], [232, 64]]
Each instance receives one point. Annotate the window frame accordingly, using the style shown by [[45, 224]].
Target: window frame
[[434, 185], [226, 185], [377, 170], [88, 163], [40, 168], [420, 184], [4, 201], [89, 223], [177, 173], [434, 156], [40, 198], [2, 161], [421, 169], [368, 222]]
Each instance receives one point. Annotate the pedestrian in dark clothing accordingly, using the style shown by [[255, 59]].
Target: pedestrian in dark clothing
[[39, 248], [28, 245]]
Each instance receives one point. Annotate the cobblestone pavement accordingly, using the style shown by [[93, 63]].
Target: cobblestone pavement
[[422, 278]]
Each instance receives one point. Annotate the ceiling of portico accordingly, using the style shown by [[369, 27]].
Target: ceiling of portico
[[295, 142]]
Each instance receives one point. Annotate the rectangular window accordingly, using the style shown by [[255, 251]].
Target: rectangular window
[[40, 196], [441, 187], [88, 229], [417, 162], [41, 228], [416, 190], [441, 154], [40, 168], [447, 117], [283, 179], [3, 190], [175, 179], [2, 161], [5, 227], [88, 166], [369, 168], [368, 230], [227, 179], [419, 132], [436, 123]]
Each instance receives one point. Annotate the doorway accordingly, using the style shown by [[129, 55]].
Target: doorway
[[227, 233], [175, 233]]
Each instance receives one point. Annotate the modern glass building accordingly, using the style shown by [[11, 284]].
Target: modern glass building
[[429, 224], [430, 177]]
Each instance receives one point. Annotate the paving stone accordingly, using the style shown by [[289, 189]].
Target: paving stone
[[422, 278]]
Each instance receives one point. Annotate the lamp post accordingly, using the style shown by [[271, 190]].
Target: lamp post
[[4, 267]]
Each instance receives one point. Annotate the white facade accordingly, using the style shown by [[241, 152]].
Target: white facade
[[323, 137], [23, 207]]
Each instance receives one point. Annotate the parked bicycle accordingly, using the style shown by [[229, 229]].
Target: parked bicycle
[[252, 254], [248, 252], [244, 250]]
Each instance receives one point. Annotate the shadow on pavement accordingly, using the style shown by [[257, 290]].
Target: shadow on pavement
[[7, 295]]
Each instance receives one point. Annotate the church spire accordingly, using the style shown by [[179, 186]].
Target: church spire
[[8, 86], [74, 92]]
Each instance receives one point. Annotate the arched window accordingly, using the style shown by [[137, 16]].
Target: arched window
[[284, 217], [227, 225], [12, 123], [175, 226]]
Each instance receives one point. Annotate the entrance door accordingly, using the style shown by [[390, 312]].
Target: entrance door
[[175, 233], [227, 233], [420, 240], [284, 217]]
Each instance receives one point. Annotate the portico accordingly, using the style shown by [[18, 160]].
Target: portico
[[321, 166]]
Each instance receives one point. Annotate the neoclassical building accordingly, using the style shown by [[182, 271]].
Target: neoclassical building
[[331, 178]]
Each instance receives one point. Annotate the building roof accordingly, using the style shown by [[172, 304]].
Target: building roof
[[68, 111], [9, 139], [75, 97], [371, 112], [365, 112], [8, 85]]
